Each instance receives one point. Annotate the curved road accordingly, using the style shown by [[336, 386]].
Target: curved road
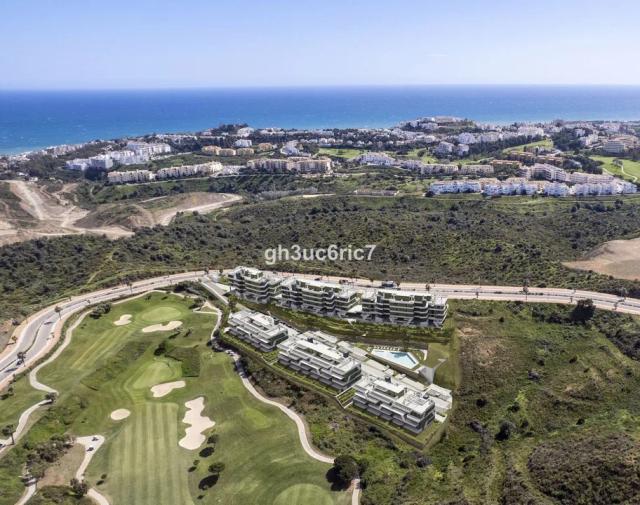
[[39, 333]]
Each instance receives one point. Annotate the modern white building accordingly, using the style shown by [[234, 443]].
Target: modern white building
[[556, 189], [394, 401], [444, 148], [259, 330], [404, 307], [254, 284], [317, 355], [117, 177], [375, 158], [317, 296]]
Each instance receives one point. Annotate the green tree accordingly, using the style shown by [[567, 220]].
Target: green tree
[[583, 311], [217, 468], [345, 468], [80, 487], [8, 431]]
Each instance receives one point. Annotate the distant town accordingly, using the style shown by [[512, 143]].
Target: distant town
[[455, 155]]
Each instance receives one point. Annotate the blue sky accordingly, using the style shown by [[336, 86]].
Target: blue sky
[[47, 44]]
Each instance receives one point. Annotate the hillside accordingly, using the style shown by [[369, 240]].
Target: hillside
[[503, 241]]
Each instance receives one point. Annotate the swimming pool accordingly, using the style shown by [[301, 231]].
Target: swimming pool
[[404, 359]]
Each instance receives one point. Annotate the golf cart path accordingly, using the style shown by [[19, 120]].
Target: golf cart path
[[89, 442], [36, 384], [302, 431]]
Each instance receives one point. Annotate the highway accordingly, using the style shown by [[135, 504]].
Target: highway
[[40, 332], [36, 336]]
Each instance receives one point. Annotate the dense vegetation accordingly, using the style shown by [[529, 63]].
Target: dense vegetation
[[546, 413], [431, 240]]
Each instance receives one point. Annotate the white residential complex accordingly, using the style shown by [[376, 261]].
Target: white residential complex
[[258, 330], [395, 401], [202, 170], [316, 296], [419, 308], [317, 355], [404, 307], [299, 165], [254, 284], [135, 153], [340, 365]]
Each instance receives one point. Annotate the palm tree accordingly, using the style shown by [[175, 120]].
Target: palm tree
[[8, 431], [21, 357], [58, 311]]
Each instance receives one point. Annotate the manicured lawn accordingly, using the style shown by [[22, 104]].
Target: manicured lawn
[[109, 367], [539, 143], [340, 153], [631, 168]]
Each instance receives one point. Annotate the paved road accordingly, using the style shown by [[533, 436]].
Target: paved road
[[38, 335], [501, 293], [40, 332]]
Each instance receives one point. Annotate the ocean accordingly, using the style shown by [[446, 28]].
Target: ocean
[[35, 119]]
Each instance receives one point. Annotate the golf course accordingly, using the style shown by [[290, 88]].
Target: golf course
[[105, 378]]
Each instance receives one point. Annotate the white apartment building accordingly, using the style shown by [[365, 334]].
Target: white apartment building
[[300, 165], [148, 148], [243, 143], [582, 177], [467, 138], [117, 177], [374, 158], [544, 171], [615, 146], [254, 284], [456, 186], [258, 330], [80, 164], [102, 161], [472, 169], [439, 168], [202, 169], [316, 355], [444, 148], [556, 189], [461, 150], [395, 401], [317, 296], [404, 307], [530, 131]]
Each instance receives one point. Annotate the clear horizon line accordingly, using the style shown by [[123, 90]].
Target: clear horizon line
[[321, 86]]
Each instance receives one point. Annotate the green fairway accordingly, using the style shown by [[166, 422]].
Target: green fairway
[[540, 143], [108, 367], [629, 170], [340, 153]]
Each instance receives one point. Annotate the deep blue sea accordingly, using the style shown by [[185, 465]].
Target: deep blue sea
[[35, 119]]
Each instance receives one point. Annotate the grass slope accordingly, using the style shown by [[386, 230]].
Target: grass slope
[[141, 461]]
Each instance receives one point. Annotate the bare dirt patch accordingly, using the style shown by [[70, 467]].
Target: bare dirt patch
[[34, 211], [618, 258]]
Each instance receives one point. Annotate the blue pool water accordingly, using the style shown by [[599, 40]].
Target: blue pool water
[[404, 359]]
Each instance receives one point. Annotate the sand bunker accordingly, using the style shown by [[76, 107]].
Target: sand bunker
[[193, 437], [124, 319], [171, 325], [120, 414], [161, 390]]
